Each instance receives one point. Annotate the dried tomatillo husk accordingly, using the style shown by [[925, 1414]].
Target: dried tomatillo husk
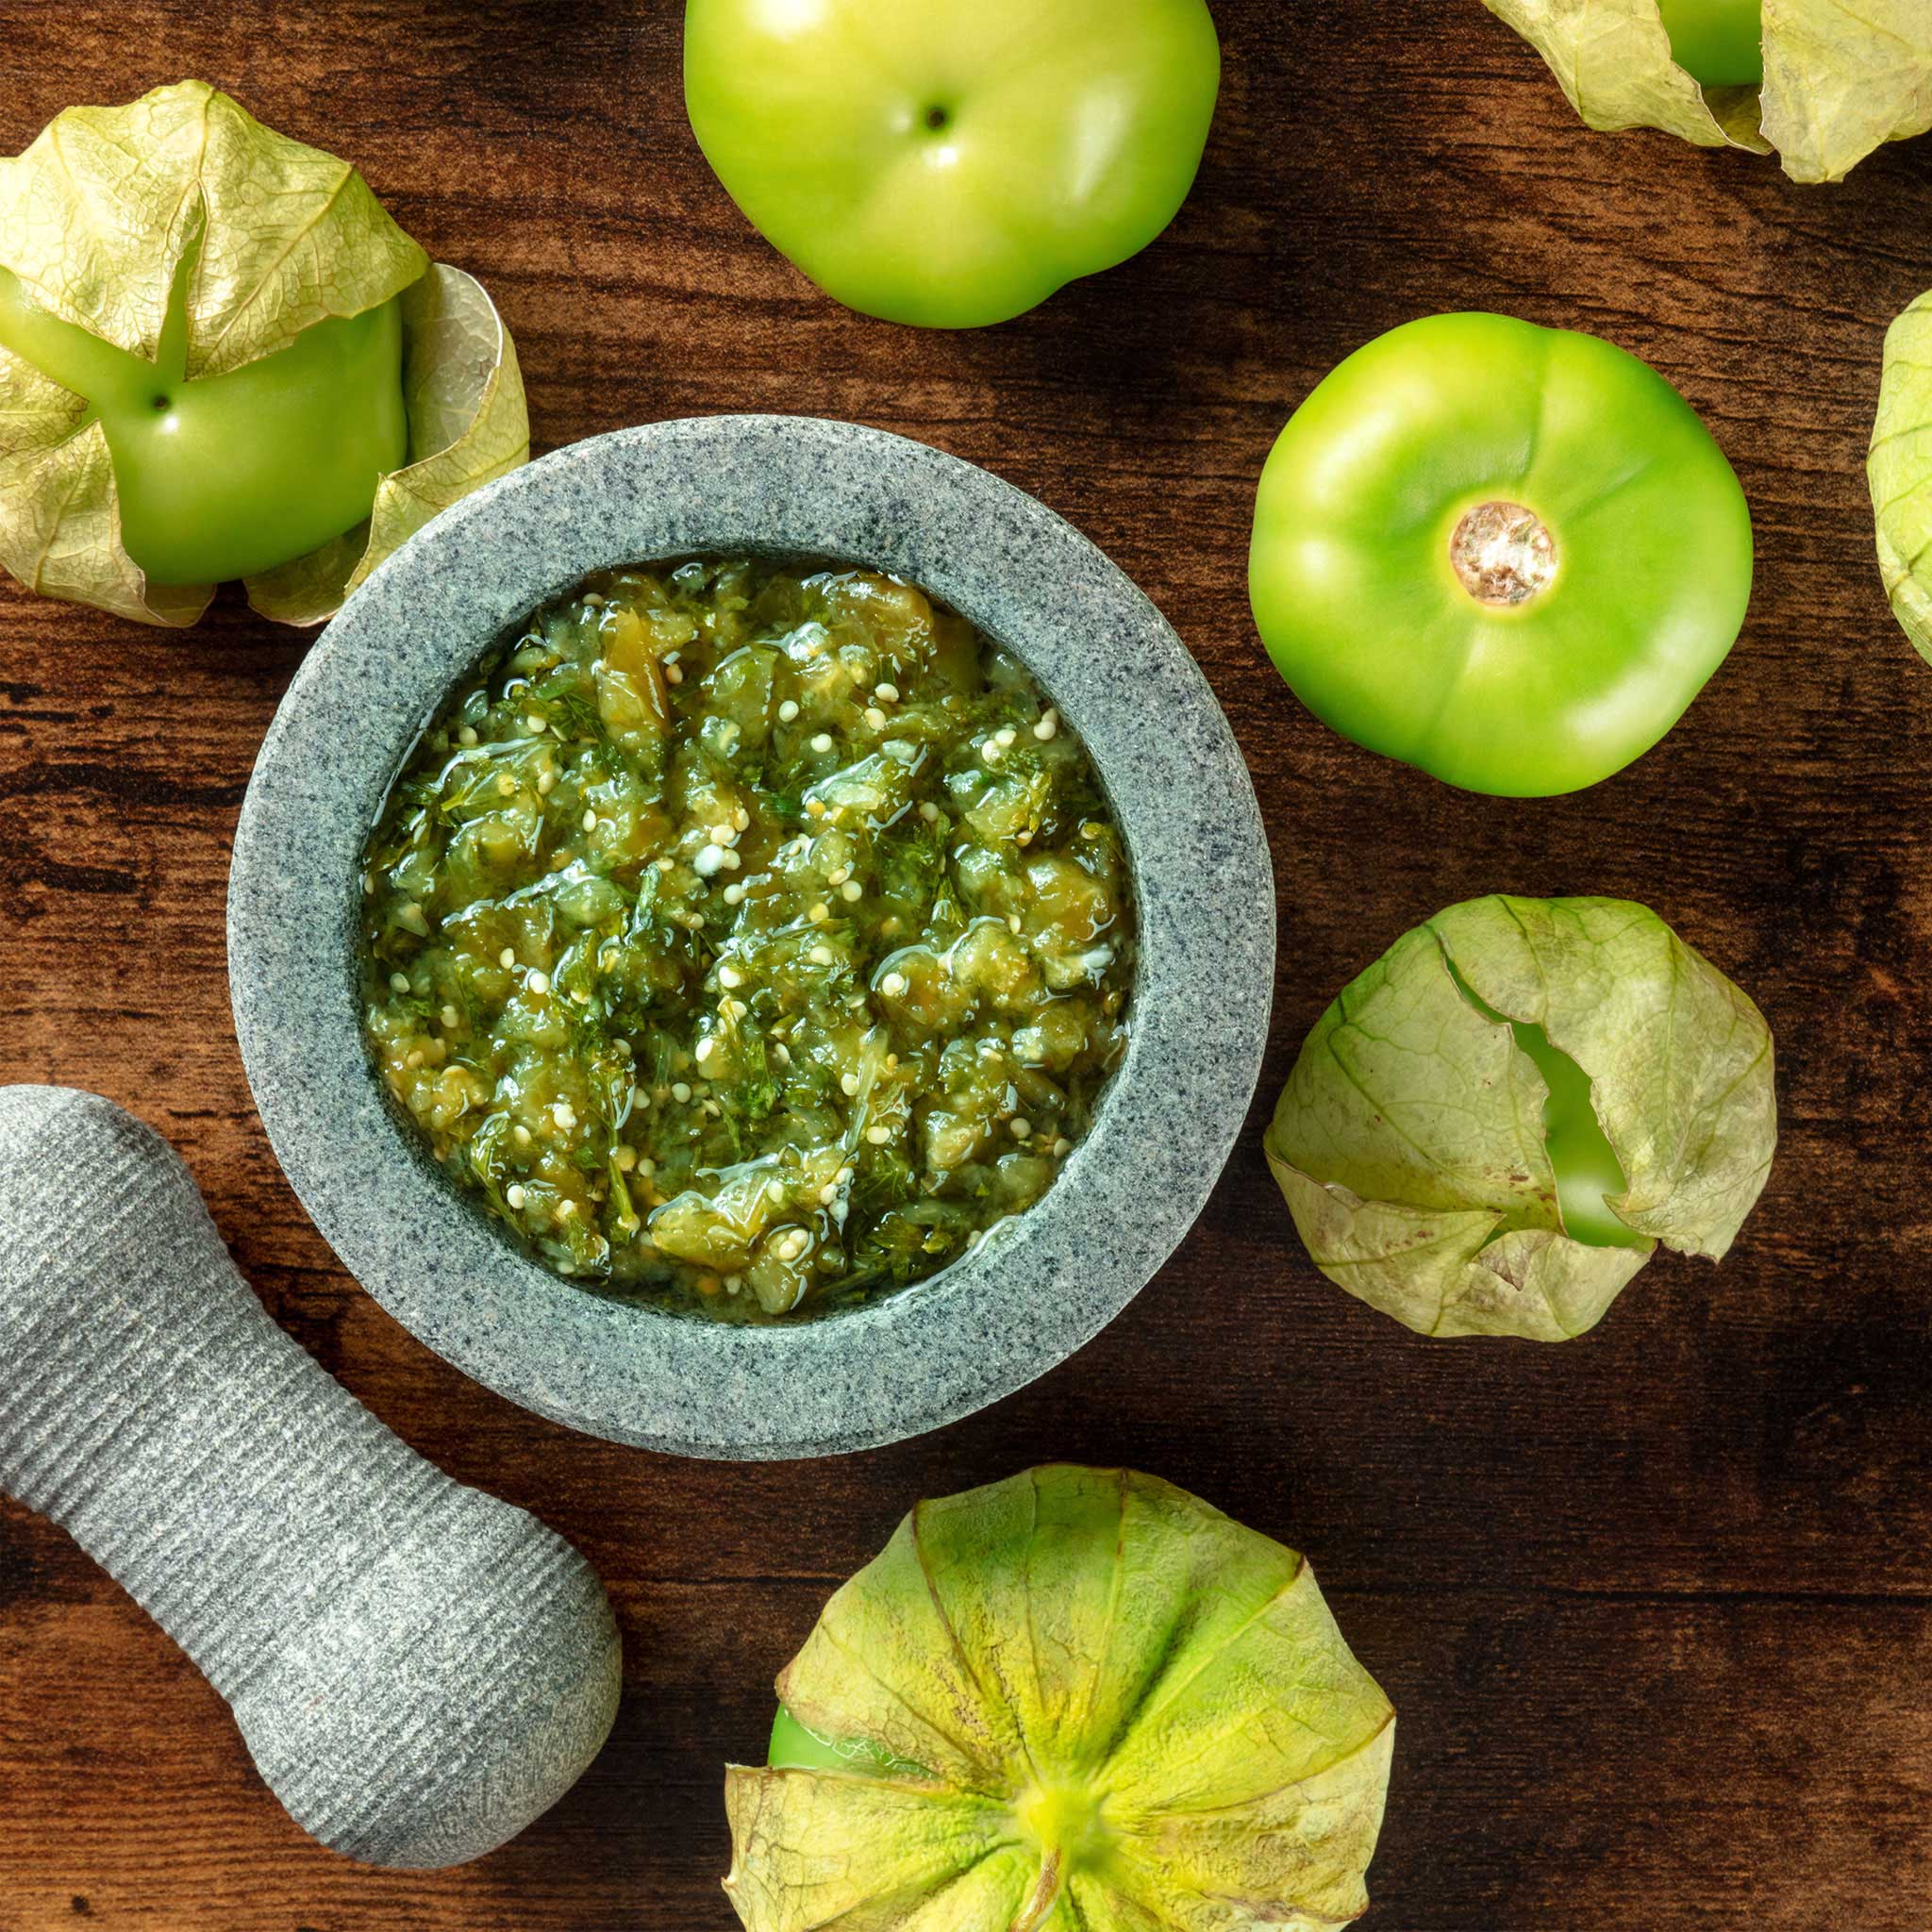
[[1828, 84], [1439, 1158], [1899, 469], [1077, 1699]]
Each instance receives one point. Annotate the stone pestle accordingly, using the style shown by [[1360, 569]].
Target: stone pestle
[[418, 1669]]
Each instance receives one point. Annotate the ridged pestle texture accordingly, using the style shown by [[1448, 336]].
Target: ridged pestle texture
[[418, 1669]]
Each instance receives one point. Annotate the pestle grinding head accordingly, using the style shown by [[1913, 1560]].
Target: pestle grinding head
[[418, 1669]]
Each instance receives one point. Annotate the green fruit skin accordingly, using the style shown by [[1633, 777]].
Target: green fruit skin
[[1362, 613], [1586, 1165], [248, 470], [1581, 1158], [795, 1748], [229, 475], [1071, 133], [1718, 42]]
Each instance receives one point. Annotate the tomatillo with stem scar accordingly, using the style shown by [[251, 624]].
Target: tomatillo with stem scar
[[951, 163], [1508, 554]]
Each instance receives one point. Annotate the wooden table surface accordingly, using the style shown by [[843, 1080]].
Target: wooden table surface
[[1656, 1607]]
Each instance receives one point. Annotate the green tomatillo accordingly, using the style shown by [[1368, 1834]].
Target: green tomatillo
[[1508, 554], [1080, 1700], [793, 1747], [1493, 1127], [221, 358], [952, 163]]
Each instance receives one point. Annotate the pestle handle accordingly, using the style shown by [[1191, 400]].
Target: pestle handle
[[418, 1669]]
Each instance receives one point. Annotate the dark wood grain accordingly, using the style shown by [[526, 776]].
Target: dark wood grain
[[1656, 1608]]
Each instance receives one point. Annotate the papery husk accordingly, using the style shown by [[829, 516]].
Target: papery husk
[[1899, 469], [468, 425], [1116, 1710], [1409, 1146], [1839, 82]]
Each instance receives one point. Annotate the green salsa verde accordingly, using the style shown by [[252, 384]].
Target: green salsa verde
[[748, 938]]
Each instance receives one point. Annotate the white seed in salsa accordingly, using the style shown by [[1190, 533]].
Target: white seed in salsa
[[750, 939]]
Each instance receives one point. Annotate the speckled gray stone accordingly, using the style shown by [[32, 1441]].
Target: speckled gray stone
[[1040, 1285], [417, 1669]]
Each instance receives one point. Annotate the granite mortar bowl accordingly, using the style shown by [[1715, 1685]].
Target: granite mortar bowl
[[1037, 1286]]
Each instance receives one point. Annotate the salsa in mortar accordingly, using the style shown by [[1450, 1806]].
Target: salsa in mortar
[[748, 938]]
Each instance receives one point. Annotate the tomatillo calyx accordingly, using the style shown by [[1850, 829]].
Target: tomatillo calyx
[[952, 163], [1508, 554], [1075, 1698], [221, 358]]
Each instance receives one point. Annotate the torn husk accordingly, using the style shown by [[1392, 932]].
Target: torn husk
[[1839, 82], [1411, 1143]]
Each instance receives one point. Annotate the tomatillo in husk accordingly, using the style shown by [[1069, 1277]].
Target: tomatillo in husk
[[1508, 554], [221, 358], [1899, 468], [231, 474], [1080, 1700], [1819, 83], [1494, 1125]]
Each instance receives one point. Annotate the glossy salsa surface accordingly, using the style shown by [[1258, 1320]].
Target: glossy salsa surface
[[748, 938]]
